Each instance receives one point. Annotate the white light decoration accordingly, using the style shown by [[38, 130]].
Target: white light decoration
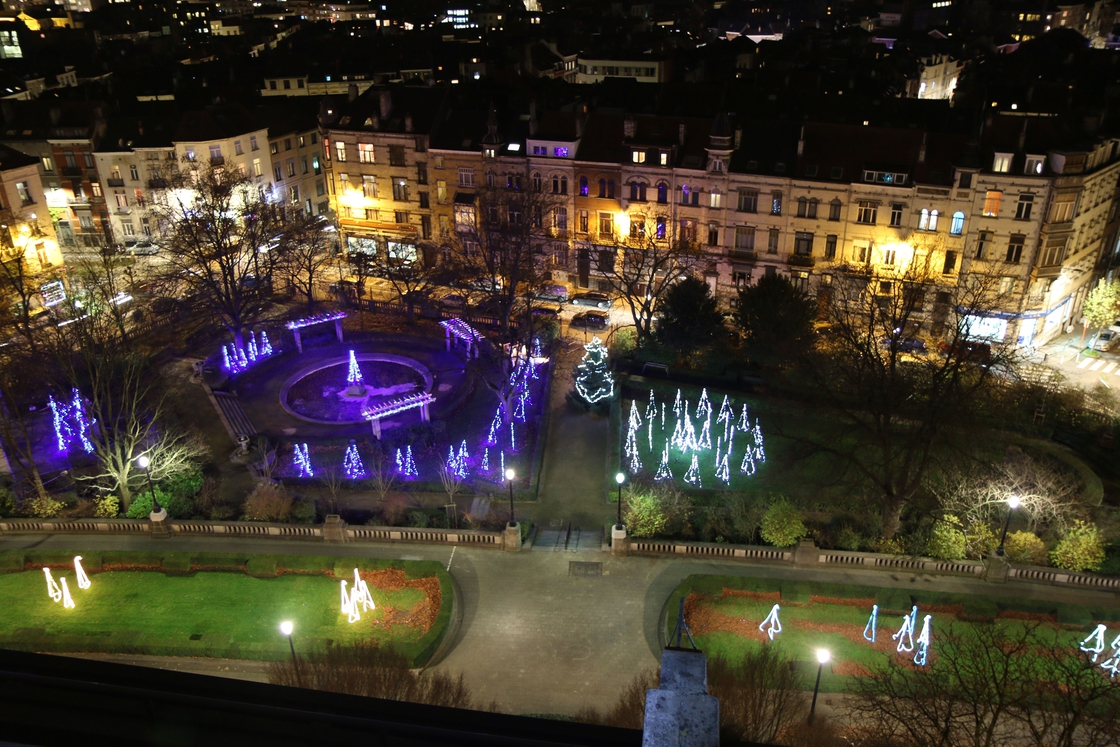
[[771, 626], [360, 594], [512, 438], [520, 412], [651, 408], [80, 573], [704, 441], [744, 421], [317, 319], [723, 472], [872, 624], [352, 462], [905, 634], [1097, 638], [594, 382], [649, 427], [1112, 663], [692, 477], [635, 461], [55, 593], [719, 450], [923, 643], [409, 463], [502, 465], [486, 460], [689, 443], [495, 426], [704, 406], [398, 405], [67, 600], [725, 411], [748, 466], [663, 408], [677, 439], [677, 404], [345, 598], [463, 455], [635, 421], [663, 470], [301, 460]]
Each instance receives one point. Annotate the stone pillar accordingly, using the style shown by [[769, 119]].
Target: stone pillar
[[299, 339], [376, 423], [511, 538], [338, 329], [680, 712], [424, 412], [805, 554], [334, 529], [159, 528], [447, 339], [620, 543], [997, 569]]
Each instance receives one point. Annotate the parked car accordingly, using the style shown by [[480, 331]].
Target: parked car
[[591, 320], [910, 345], [546, 312], [453, 301], [1105, 339], [974, 352], [597, 300], [552, 293], [144, 247]]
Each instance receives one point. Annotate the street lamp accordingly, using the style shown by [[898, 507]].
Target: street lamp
[[619, 478], [509, 479], [823, 656], [1012, 504], [286, 630], [143, 461]]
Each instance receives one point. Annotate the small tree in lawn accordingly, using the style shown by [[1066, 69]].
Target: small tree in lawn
[[1102, 306], [690, 317], [451, 479], [594, 381], [777, 319], [782, 525]]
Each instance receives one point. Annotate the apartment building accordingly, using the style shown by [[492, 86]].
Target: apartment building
[[25, 226], [227, 135], [298, 172], [131, 163]]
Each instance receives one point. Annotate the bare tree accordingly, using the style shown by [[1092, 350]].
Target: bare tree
[[451, 481], [887, 410], [331, 477], [645, 261], [305, 254], [383, 473], [760, 697], [19, 287], [411, 271], [23, 376]]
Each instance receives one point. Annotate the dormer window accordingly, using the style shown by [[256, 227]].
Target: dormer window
[[1034, 165], [717, 165], [664, 158], [1001, 163], [489, 152], [638, 156]]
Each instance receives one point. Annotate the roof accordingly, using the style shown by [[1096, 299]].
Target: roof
[[854, 148], [408, 109], [13, 159], [215, 123], [603, 138]]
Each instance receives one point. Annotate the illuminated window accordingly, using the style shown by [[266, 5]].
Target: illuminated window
[[956, 228], [991, 203], [365, 152]]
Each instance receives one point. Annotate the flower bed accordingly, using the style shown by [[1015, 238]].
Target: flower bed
[[321, 394]]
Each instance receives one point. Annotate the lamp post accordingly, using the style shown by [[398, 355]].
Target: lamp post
[[286, 630], [1012, 504], [143, 461], [509, 480], [823, 656], [619, 478]]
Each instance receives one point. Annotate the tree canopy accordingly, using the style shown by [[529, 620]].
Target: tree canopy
[[776, 318], [689, 316]]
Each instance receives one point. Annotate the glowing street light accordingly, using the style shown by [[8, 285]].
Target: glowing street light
[[509, 479], [286, 628], [823, 657], [619, 478], [143, 461], [1012, 504]]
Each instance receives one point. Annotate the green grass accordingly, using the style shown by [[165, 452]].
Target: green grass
[[215, 614], [733, 628]]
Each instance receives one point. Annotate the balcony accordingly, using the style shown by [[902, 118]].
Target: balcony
[[71, 170], [157, 182], [800, 260], [77, 201], [743, 255], [122, 210], [115, 182]]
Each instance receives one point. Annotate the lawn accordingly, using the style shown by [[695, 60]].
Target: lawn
[[724, 614], [220, 613]]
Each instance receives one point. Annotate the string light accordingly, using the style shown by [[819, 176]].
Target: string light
[[725, 411], [302, 461], [771, 626], [266, 346], [663, 470], [677, 404], [317, 319], [346, 604], [1097, 637], [594, 382], [872, 624], [923, 643], [55, 593], [651, 408], [723, 472], [360, 594], [486, 461], [744, 421], [354, 372], [400, 462], [692, 477], [705, 439], [80, 573], [495, 424], [512, 438], [502, 466], [704, 406], [67, 601], [80, 422], [1112, 663], [352, 462], [61, 427], [747, 467], [905, 634]]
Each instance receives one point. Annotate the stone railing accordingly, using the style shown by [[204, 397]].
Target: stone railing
[[711, 550], [1058, 577], [899, 562]]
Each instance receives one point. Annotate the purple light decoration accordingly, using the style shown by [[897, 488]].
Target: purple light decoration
[[266, 346], [352, 462], [495, 424], [253, 347], [409, 463], [83, 425], [62, 431], [400, 463], [537, 348], [463, 454], [225, 358], [301, 460], [522, 402], [354, 374], [503, 464], [512, 440], [317, 319], [486, 461]]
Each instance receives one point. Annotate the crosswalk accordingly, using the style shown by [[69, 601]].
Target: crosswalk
[[1099, 365]]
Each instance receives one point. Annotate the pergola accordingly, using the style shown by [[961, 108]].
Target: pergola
[[392, 407], [296, 325], [460, 330]]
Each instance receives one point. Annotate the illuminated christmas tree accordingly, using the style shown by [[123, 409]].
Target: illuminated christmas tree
[[594, 381], [354, 373]]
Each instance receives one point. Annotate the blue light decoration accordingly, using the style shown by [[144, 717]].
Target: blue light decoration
[[1097, 638], [81, 423], [409, 463], [692, 477], [63, 432], [502, 465], [537, 352], [266, 346], [905, 634], [520, 412], [512, 440], [1112, 663], [923, 643], [495, 424], [455, 464], [872, 624], [352, 462], [486, 461], [663, 470], [316, 319], [463, 455], [771, 626], [354, 373], [301, 460]]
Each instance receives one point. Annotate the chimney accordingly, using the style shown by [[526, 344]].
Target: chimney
[[386, 104], [352, 92], [922, 149], [408, 122], [801, 141], [681, 133], [738, 137]]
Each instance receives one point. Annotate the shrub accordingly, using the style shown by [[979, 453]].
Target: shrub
[[417, 519], [624, 343], [177, 507], [303, 511], [1082, 549], [946, 539], [184, 484], [890, 546], [43, 507], [7, 502], [106, 507], [980, 541], [268, 502], [1025, 547], [848, 539], [644, 514], [782, 525]]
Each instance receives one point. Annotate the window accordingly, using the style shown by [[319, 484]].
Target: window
[[303, 165], [24, 191], [48, 164], [661, 227], [560, 152], [115, 173], [685, 194], [664, 158], [301, 141], [983, 243], [257, 167], [606, 225], [928, 220], [396, 155], [1062, 210], [713, 234], [802, 207], [744, 238], [896, 215], [956, 228], [638, 156], [663, 193], [540, 150], [834, 209], [1023, 209], [1006, 286], [88, 158], [715, 200], [400, 216], [950, 263], [72, 163], [441, 191], [991, 203], [1034, 165], [538, 182], [466, 177], [965, 180], [444, 225], [776, 203], [890, 256], [605, 261], [560, 220], [559, 185], [813, 202], [610, 189], [1015, 248], [291, 167], [146, 226], [773, 241], [513, 181], [95, 188], [425, 226], [583, 221], [1001, 163], [369, 186], [253, 143], [637, 192], [748, 201], [340, 151], [121, 198], [315, 167], [128, 228], [803, 244], [515, 215], [830, 246], [688, 231], [287, 143], [602, 187], [189, 154], [134, 173], [1052, 254], [868, 211], [278, 172], [638, 228], [293, 194], [365, 153], [400, 190], [583, 190], [274, 148]]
